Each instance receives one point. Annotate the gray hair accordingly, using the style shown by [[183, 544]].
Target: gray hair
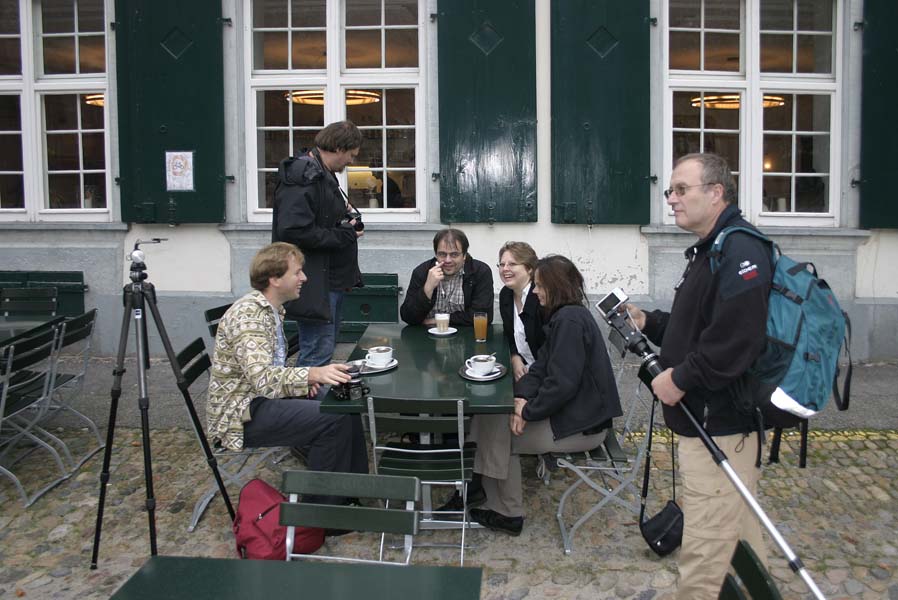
[[714, 170]]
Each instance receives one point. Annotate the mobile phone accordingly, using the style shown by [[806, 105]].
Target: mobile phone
[[612, 301]]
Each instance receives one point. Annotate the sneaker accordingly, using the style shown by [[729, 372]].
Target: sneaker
[[476, 497], [498, 522]]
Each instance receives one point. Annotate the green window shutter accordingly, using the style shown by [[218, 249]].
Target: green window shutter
[[879, 88], [170, 87], [600, 111], [487, 79]]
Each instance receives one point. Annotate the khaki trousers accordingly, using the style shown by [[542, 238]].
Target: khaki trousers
[[715, 516]]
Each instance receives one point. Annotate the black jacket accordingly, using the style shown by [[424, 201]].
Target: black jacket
[[308, 210], [531, 316], [716, 328], [572, 382], [477, 285]]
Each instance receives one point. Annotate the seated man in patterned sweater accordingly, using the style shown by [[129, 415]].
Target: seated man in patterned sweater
[[255, 400]]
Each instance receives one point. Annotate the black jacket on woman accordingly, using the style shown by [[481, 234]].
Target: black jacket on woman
[[572, 382], [531, 316]]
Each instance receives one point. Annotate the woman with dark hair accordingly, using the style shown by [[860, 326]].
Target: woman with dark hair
[[564, 402]]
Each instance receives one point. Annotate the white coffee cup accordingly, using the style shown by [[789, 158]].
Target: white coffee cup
[[481, 364], [442, 321], [379, 356]]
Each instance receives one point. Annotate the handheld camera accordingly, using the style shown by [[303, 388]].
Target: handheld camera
[[355, 388], [626, 336]]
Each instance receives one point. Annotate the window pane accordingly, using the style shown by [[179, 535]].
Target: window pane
[[91, 54], [94, 190], [726, 114], [776, 53], [403, 195], [274, 146], [685, 143], [779, 118], [366, 114], [270, 50], [267, 182], [309, 13], [94, 153], [362, 49], [59, 55], [722, 14], [813, 113], [401, 48], [309, 50], [815, 54], [363, 189], [400, 106], [9, 16], [776, 14], [269, 13], [815, 15], [11, 156], [811, 194], [10, 114], [64, 192], [10, 59], [813, 154], [308, 115], [371, 152], [303, 140], [684, 50], [91, 116], [687, 109], [12, 191], [778, 153], [721, 52], [777, 194], [724, 144], [400, 12], [58, 16], [61, 112], [362, 12], [272, 108], [90, 15], [685, 13], [62, 152], [401, 148]]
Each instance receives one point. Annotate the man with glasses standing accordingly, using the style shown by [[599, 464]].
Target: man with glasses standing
[[713, 333], [452, 282]]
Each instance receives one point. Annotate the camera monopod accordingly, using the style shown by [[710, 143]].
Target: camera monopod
[[626, 336]]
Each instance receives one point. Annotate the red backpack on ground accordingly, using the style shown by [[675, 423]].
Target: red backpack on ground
[[257, 529]]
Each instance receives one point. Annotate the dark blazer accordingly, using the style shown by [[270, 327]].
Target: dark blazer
[[572, 381], [531, 316], [308, 210], [477, 285]]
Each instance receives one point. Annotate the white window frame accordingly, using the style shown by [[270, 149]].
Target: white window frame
[[30, 87], [751, 83], [335, 80]]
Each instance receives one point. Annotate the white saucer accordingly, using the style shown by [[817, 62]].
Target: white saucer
[[369, 369], [437, 332], [497, 373]]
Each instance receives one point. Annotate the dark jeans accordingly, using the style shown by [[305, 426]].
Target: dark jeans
[[318, 340], [332, 442]]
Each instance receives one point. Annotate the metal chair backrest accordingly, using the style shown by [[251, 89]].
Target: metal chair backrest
[[752, 579], [28, 301], [213, 316], [194, 361]]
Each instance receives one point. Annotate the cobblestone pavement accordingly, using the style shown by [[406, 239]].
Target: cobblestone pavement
[[839, 516]]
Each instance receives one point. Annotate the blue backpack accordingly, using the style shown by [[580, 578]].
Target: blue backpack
[[806, 328]]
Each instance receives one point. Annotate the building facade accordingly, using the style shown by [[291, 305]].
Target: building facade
[[555, 122]]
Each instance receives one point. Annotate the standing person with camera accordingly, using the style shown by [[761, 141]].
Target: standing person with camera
[[713, 333], [313, 213]]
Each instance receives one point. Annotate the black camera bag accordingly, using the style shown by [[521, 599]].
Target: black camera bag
[[664, 531]]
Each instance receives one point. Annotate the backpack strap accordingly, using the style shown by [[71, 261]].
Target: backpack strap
[[843, 399], [717, 247]]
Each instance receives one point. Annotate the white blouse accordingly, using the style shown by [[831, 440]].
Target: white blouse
[[520, 336]]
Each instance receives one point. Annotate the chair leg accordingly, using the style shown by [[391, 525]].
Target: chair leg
[[803, 452], [775, 446]]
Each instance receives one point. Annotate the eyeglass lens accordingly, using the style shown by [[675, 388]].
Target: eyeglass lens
[[444, 255]]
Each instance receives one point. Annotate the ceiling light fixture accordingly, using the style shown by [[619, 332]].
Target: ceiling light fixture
[[95, 99], [732, 101], [316, 97]]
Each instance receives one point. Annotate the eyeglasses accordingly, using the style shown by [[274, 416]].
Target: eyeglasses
[[445, 255], [680, 189], [509, 265]]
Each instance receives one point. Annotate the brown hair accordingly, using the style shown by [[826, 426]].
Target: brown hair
[[561, 281], [451, 236], [714, 170], [522, 252], [272, 261], [339, 137]]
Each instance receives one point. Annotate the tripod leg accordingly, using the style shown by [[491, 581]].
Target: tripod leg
[[143, 403], [185, 392], [115, 393]]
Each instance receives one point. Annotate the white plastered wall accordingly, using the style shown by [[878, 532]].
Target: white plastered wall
[[194, 258]]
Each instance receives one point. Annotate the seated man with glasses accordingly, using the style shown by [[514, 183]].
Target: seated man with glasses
[[453, 282]]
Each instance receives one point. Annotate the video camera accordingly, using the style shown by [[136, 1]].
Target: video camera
[[626, 336]]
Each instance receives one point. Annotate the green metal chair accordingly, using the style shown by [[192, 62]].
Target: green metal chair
[[449, 465], [751, 580], [28, 301], [400, 521]]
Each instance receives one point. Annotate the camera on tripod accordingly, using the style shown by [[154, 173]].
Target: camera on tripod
[[355, 388], [137, 258], [625, 335]]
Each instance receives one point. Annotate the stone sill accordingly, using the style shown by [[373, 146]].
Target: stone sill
[[59, 226]]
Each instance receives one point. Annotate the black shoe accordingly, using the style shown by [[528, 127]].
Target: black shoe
[[476, 497], [497, 522]]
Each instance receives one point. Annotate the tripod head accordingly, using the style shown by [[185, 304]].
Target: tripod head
[[137, 257]]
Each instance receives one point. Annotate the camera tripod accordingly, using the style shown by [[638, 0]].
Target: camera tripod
[[137, 296]]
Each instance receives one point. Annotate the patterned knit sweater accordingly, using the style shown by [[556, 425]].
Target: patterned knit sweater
[[242, 369]]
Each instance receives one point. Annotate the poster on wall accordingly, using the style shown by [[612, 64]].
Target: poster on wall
[[179, 171]]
